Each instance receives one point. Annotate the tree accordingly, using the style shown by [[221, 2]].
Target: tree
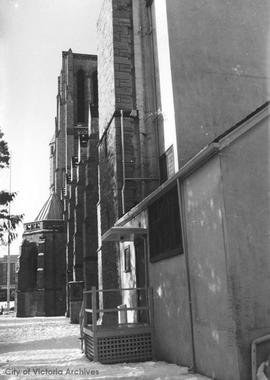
[[8, 222]]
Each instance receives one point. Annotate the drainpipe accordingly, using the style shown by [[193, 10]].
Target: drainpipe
[[123, 161], [185, 249]]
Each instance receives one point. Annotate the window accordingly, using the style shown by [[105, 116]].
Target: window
[[127, 265], [166, 164], [164, 227], [80, 97], [95, 88], [94, 100], [83, 140], [163, 168]]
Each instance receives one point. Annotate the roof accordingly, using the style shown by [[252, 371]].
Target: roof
[[52, 209], [123, 233]]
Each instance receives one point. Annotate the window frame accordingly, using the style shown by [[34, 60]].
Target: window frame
[[159, 222]]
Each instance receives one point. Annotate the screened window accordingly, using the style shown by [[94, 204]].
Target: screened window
[[164, 226]]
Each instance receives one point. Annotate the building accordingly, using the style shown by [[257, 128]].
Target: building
[[214, 260], [181, 89], [168, 134], [74, 169], [42, 273], [3, 276], [60, 245]]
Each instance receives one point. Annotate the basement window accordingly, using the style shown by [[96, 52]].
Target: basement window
[[165, 237]]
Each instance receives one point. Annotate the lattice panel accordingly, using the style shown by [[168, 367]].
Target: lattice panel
[[128, 348], [89, 347]]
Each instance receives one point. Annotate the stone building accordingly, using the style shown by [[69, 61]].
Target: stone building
[[41, 273], [59, 248], [74, 165], [180, 84]]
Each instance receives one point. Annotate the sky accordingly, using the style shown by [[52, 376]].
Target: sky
[[33, 34]]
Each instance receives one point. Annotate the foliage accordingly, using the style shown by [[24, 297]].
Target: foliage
[[8, 222]]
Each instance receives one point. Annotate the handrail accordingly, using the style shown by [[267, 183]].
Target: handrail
[[111, 290], [94, 310], [115, 309]]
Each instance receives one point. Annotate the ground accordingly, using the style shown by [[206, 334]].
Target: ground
[[49, 348]]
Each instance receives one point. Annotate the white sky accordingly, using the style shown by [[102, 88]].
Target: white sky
[[33, 34]]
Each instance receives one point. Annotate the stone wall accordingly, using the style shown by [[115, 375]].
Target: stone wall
[[90, 200], [42, 272]]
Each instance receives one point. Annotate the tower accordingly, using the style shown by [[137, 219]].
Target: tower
[[75, 163]]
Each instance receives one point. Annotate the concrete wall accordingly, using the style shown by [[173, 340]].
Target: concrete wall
[[171, 311], [226, 213], [212, 303], [245, 170], [220, 66]]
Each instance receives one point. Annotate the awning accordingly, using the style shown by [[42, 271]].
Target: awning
[[123, 233]]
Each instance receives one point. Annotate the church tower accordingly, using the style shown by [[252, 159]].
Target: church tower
[[74, 164]]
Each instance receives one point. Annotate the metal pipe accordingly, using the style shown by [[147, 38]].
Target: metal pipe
[[186, 255], [142, 179], [123, 161]]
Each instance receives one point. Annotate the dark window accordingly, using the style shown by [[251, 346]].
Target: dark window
[[127, 259], [163, 168], [75, 161], [94, 102], [166, 164], [95, 88], [80, 97], [164, 226], [83, 140]]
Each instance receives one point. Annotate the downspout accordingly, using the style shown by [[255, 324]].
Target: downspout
[[123, 161], [185, 249]]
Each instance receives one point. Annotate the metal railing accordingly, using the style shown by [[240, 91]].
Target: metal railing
[[140, 307]]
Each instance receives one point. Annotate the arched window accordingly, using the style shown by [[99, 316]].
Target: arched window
[[80, 97]]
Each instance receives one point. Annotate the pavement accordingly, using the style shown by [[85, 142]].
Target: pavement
[[49, 348]]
